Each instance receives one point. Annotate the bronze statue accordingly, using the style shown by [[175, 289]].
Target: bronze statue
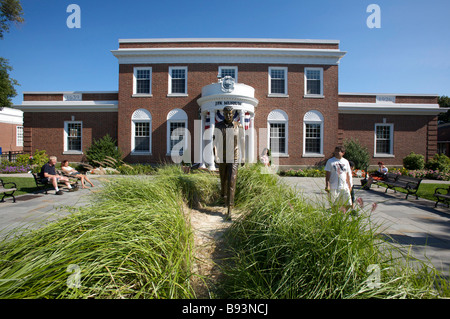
[[229, 139]]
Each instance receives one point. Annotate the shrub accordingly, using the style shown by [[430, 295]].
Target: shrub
[[414, 161], [439, 162], [101, 149], [357, 153]]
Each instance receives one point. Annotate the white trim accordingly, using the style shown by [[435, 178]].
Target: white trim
[[228, 55], [179, 116], [391, 137], [144, 117], [321, 95], [135, 94], [274, 117], [11, 115], [171, 68], [68, 106], [392, 108], [66, 136], [248, 40], [390, 94], [313, 117], [285, 70], [67, 92], [19, 137]]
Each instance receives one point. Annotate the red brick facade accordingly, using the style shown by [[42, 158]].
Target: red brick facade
[[344, 115]]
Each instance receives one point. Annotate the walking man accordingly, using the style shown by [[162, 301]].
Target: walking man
[[338, 179], [229, 140]]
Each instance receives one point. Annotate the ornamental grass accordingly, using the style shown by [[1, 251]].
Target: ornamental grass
[[283, 247]]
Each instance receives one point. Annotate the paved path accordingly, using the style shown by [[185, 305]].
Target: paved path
[[411, 223], [408, 222]]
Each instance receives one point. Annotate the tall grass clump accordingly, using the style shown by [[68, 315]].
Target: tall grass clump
[[132, 242], [283, 247]]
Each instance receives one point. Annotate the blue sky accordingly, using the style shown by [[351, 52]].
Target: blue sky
[[410, 53]]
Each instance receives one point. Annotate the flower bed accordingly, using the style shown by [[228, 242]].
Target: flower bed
[[12, 168]]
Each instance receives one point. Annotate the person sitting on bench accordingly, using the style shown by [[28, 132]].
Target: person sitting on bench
[[73, 172], [48, 172], [377, 176]]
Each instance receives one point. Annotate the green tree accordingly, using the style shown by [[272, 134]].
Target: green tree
[[10, 12], [357, 153], [444, 101], [7, 91]]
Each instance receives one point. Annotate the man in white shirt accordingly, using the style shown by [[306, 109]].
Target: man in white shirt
[[338, 180]]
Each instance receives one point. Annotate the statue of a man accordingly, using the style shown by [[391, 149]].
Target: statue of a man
[[229, 139]]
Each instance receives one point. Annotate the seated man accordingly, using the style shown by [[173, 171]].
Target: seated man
[[48, 172]]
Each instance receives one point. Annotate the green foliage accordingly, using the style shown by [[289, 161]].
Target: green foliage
[[283, 247], [414, 161], [38, 159], [134, 241], [10, 11], [7, 91], [357, 153], [101, 149], [439, 162]]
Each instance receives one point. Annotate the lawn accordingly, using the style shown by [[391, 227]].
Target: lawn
[[25, 185], [426, 190]]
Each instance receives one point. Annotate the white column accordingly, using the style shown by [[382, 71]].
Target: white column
[[251, 139], [200, 141], [242, 120], [212, 125]]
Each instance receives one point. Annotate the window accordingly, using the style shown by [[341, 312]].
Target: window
[[141, 138], [73, 137], [277, 81], [142, 81], [228, 71], [313, 134], [19, 135], [384, 138], [176, 132], [178, 81], [278, 132], [314, 82]]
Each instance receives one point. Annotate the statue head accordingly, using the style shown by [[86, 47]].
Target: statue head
[[228, 114]]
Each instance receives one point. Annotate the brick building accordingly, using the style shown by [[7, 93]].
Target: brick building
[[11, 130], [285, 93]]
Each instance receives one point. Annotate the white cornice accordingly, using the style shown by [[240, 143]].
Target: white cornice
[[237, 40], [393, 108], [68, 106], [389, 94], [69, 92], [228, 55], [11, 116]]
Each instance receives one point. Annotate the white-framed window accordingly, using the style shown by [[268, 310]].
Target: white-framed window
[[228, 71], [19, 136], [177, 132], [178, 80], [73, 137], [313, 134], [277, 125], [384, 140], [278, 81], [313, 82], [142, 81], [141, 132]]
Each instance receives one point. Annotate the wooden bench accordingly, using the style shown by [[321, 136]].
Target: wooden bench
[[43, 183], [442, 197], [410, 184], [7, 190]]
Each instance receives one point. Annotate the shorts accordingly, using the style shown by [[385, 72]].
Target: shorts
[[341, 197]]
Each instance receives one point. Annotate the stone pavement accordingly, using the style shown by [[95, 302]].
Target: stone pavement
[[412, 224]]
